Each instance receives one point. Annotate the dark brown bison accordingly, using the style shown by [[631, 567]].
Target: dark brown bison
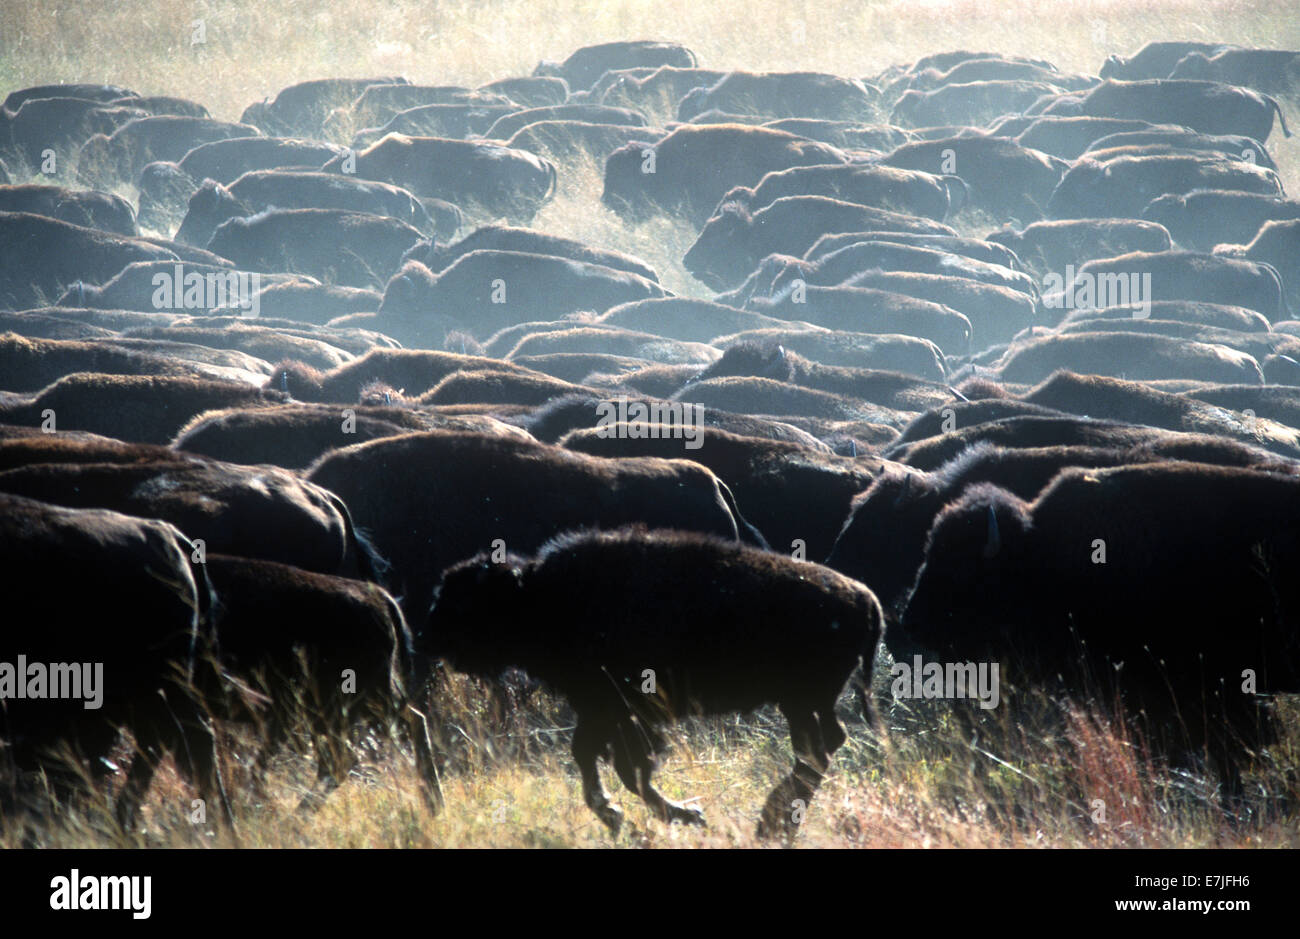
[[356, 249], [44, 255], [257, 512], [687, 172], [796, 498], [338, 647], [743, 628], [735, 240], [87, 208], [142, 408], [1096, 586], [479, 176], [1206, 106], [581, 69], [123, 618], [484, 291], [519, 492]]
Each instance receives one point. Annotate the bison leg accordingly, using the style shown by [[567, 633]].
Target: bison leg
[[634, 762], [783, 812], [335, 759], [588, 744], [832, 733], [205, 771]]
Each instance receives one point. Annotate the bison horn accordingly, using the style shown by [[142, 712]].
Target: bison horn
[[994, 543]]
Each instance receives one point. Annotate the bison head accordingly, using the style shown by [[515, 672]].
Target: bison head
[[405, 293], [211, 205], [968, 594], [1113, 67], [720, 257], [1194, 65], [628, 181], [883, 540], [476, 625]]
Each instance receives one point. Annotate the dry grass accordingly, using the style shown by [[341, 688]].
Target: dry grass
[[1050, 780], [509, 782], [253, 49]]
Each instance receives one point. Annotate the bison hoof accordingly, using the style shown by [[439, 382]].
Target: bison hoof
[[687, 815], [612, 816], [780, 826]]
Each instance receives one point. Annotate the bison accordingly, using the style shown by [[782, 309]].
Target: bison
[[741, 628], [479, 176], [1203, 218], [518, 491], [581, 69], [1205, 106], [485, 290], [735, 240], [1103, 579], [257, 191], [356, 249], [688, 171]]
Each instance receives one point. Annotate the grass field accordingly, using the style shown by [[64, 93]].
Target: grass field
[[510, 782], [1052, 780]]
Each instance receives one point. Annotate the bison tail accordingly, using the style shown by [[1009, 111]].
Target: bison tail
[[1283, 305], [958, 193], [748, 533], [203, 633], [365, 559], [1281, 118], [552, 183]]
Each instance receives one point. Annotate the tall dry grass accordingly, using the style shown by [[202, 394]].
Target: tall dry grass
[[254, 48], [1051, 777]]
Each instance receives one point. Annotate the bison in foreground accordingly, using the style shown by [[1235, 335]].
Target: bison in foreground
[[1159, 585], [736, 629]]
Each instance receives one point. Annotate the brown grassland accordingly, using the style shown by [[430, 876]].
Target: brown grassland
[[509, 781]]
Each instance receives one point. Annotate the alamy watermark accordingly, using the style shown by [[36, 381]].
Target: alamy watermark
[[90, 892], [947, 680], [177, 290], [1089, 291], [37, 681], [651, 421]]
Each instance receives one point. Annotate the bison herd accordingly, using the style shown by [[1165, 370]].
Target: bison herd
[[973, 360]]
